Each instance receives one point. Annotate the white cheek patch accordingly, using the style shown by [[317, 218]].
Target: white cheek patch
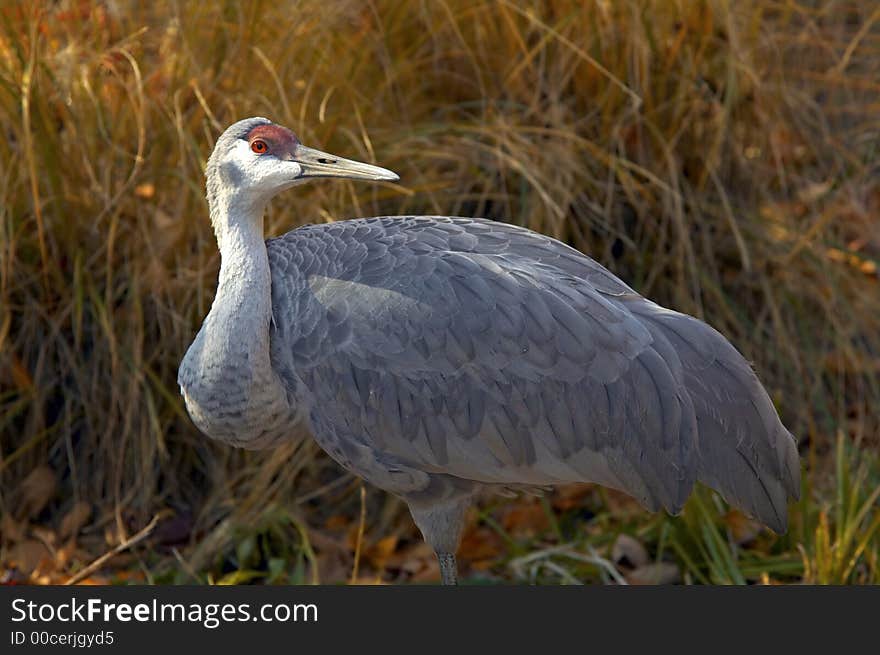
[[262, 174], [251, 172]]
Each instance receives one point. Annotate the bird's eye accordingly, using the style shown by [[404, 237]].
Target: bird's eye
[[259, 146]]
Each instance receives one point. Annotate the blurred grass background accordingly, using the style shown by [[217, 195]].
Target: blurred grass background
[[720, 156]]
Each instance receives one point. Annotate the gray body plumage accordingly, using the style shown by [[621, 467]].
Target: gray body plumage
[[436, 357], [438, 354]]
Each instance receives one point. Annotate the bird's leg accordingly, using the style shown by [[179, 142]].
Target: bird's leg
[[448, 568], [441, 522]]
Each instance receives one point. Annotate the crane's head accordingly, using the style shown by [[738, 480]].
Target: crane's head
[[257, 159]]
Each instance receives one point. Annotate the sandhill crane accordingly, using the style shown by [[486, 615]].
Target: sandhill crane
[[439, 357]]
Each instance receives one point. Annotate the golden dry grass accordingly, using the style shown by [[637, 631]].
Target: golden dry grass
[[720, 156]]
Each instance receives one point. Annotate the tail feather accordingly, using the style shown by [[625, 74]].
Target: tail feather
[[745, 453]]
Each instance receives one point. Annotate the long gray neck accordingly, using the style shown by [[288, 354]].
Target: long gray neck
[[244, 288], [231, 390]]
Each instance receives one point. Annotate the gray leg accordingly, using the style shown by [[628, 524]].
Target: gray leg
[[448, 568], [441, 524]]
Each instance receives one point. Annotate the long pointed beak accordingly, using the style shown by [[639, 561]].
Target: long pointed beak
[[315, 163]]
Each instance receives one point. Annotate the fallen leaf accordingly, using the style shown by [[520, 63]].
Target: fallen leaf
[[483, 564], [20, 375], [813, 192], [378, 553], [36, 490], [629, 552], [742, 528], [128, 576], [333, 567], [367, 580], [412, 559], [480, 543], [337, 522], [10, 529], [95, 580], [654, 574], [622, 504], [430, 572], [74, 520], [525, 519], [145, 191], [65, 555], [175, 529], [571, 496], [29, 555]]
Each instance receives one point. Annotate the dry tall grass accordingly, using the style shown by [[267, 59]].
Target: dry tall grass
[[720, 156]]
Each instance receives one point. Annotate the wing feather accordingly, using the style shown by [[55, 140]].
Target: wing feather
[[486, 352], [744, 451]]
